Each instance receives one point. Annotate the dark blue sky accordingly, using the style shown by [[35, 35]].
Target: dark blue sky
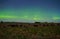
[[30, 10]]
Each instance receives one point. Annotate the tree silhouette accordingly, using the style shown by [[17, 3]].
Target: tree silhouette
[[1, 21]]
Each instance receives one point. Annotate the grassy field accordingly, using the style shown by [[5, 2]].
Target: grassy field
[[47, 32]]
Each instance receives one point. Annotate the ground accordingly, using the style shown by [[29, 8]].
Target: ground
[[45, 32]]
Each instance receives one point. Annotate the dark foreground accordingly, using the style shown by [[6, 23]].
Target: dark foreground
[[29, 30], [42, 32]]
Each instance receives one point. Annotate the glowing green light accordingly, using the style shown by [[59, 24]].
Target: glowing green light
[[36, 18], [6, 16], [56, 18], [25, 17]]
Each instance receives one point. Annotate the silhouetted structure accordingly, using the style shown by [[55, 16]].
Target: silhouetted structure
[[1, 21], [20, 24]]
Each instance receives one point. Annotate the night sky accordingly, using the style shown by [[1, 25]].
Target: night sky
[[30, 10]]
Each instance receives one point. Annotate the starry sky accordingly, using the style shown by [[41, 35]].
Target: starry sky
[[30, 10]]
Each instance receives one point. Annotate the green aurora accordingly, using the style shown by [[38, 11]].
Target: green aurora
[[30, 10]]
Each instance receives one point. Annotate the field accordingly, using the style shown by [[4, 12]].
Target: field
[[46, 32]]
